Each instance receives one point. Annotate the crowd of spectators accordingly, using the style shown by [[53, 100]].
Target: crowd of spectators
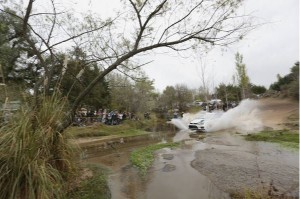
[[105, 116]]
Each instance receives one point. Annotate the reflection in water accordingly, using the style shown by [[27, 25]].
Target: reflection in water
[[183, 182]]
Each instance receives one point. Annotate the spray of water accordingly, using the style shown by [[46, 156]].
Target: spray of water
[[245, 118]]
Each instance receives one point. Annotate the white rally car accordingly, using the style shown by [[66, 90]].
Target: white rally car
[[197, 124]]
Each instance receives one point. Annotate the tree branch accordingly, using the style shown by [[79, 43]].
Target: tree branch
[[27, 15]]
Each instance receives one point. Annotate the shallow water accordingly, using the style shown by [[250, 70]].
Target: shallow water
[[184, 181], [209, 168], [181, 181]]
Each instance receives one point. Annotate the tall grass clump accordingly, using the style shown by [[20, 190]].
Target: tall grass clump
[[36, 161]]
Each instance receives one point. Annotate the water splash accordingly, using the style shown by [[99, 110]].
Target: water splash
[[244, 118], [180, 123]]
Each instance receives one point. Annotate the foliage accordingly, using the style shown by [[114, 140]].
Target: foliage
[[289, 84], [167, 100], [256, 89], [153, 25], [12, 49], [178, 97], [250, 194], [36, 161], [144, 96], [125, 129], [45, 29], [242, 77], [283, 137], [94, 187], [72, 83], [228, 93], [132, 96], [184, 96], [122, 92], [143, 158]]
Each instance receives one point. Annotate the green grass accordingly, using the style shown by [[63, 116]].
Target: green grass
[[95, 187], [127, 128], [285, 138], [36, 160], [250, 194], [104, 130], [143, 158]]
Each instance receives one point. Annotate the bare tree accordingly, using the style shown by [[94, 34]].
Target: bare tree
[[142, 26], [204, 78]]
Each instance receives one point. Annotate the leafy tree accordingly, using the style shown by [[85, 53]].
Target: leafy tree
[[122, 92], [13, 50], [256, 89], [73, 82], [144, 95], [154, 25], [242, 77], [228, 93], [168, 99], [177, 97], [184, 96], [46, 27], [289, 84], [132, 96]]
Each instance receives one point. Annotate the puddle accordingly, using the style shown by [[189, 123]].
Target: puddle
[[181, 180], [220, 163], [170, 177], [206, 166]]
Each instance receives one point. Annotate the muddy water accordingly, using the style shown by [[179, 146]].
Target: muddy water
[[175, 178], [171, 176], [209, 168]]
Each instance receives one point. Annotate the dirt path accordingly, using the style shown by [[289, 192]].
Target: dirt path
[[275, 112]]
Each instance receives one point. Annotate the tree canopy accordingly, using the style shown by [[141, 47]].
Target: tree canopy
[[288, 84], [242, 76], [115, 42]]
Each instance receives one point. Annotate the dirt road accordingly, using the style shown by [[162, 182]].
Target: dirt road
[[279, 113]]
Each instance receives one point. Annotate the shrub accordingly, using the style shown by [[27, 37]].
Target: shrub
[[35, 158]]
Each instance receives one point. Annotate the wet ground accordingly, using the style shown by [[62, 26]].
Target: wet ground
[[212, 167], [234, 164]]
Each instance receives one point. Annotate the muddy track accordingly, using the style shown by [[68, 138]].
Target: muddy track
[[234, 164], [218, 164]]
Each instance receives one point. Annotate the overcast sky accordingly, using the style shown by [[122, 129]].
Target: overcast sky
[[268, 50]]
